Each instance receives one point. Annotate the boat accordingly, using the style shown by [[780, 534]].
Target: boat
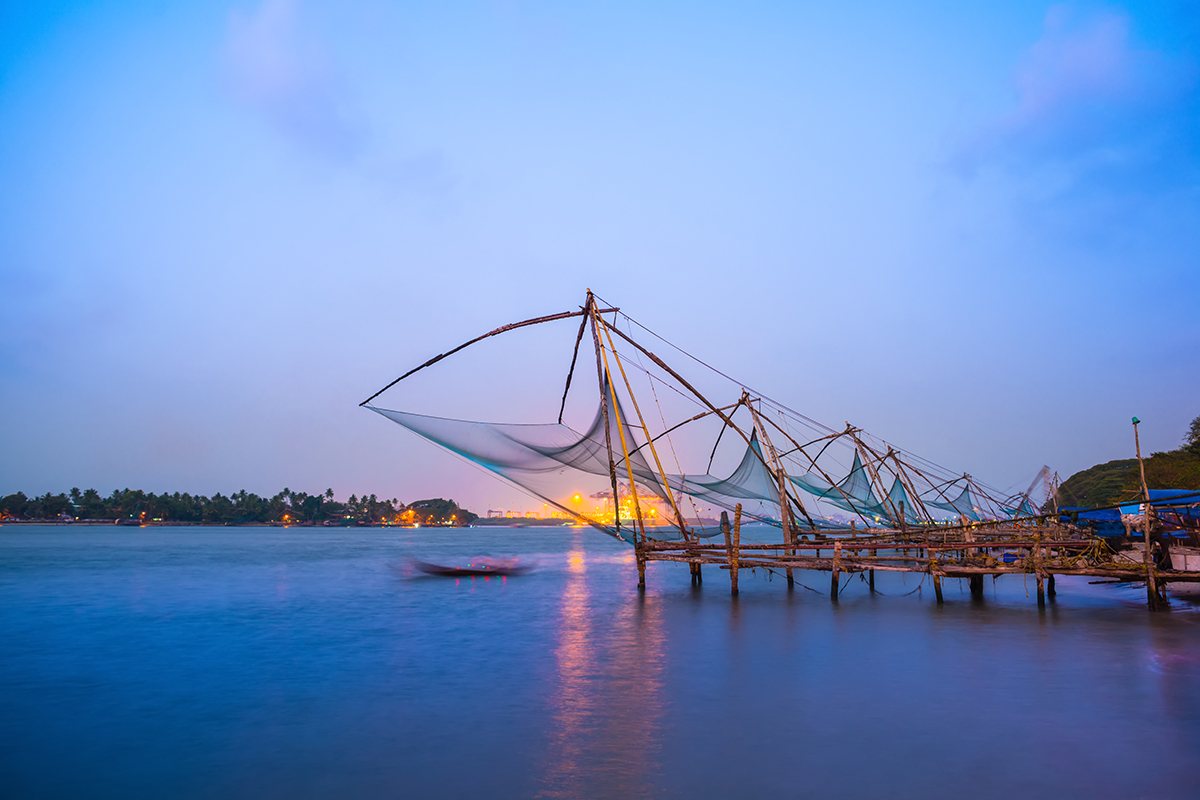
[[482, 565]]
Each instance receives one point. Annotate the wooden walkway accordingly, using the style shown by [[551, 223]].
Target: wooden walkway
[[971, 552]]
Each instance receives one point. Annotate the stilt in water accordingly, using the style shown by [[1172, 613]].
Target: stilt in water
[[699, 578], [641, 565], [871, 580], [1041, 591], [731, 543], [1050, 590], [1153, 598], [937, 587], [976, 583], [837, 563]]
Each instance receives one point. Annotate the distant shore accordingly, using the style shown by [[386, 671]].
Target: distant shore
[[97, 523], [171, 524]]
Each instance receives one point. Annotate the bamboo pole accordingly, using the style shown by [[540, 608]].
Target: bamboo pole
[[869, 465], [1152, 597], [734, 555], [646, 431], [683, 382], [501, 329], [571, 372], [612, 464], [728, 546], [797, 447], [784, 508], [837, 573], [937, 579]]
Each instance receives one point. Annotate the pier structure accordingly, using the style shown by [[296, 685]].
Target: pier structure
[[971, 552], [836, 500]]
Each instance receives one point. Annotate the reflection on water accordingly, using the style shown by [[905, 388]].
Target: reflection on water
[[201, 663], [606, 707]]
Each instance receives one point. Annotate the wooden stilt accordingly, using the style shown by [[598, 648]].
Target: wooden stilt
[[1050, 590], [871, 580], [837, 573], [1152, 596], [976, 582], [733, 551], [1041, 590], [937, 587], [641, 565]]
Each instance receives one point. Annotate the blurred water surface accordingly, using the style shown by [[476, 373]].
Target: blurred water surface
[[251, 662]]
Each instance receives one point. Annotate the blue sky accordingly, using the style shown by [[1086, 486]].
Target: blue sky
[[970, 229]]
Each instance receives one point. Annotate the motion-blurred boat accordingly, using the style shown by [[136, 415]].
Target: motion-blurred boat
[[483, 565]]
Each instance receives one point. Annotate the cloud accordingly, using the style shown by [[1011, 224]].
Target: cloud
[[1084, 94], [290, 80], [1076, 62]]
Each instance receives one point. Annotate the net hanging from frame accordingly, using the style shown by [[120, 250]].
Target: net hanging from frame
[[611, 474]]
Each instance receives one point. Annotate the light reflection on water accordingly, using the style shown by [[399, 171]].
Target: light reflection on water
[[308, 663], [605, 708]]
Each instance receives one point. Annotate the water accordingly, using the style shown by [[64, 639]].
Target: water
[[247, 663]]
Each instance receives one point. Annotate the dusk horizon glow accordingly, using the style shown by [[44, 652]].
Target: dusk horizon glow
[[971, 232]]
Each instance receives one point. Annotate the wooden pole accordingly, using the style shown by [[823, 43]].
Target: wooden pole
[[937, 587], [1041, 590], [733, 551], [612, 464], [1050, 590], [1152, 597], [837, 563], [871, 580], [785, 511], [649, 440], [976, 583], [729, 551]]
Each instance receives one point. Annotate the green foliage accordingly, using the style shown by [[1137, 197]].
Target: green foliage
[[1120, 482], [440, 512], [1191, 439], [1101, 485], [14, 505], [241, 507]]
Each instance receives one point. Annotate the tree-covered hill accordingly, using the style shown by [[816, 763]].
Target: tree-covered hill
[[1119, 481]]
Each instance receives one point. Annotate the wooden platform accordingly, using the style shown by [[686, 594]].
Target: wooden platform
[[970, 552]]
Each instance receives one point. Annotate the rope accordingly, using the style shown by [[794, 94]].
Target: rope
[[670, 443]]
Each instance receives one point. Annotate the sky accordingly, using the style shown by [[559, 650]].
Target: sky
[[971, 229]]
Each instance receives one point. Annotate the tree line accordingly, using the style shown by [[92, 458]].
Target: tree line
[[1120, 481], [286, 507]]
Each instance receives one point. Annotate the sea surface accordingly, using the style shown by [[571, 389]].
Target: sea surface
[[316, 663]]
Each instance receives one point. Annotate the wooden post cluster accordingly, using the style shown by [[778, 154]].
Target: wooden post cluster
[[732, 545], [837, 570]]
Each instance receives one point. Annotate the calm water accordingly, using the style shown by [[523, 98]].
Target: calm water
[[247, 663]]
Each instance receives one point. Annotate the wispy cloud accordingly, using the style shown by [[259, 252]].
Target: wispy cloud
[[1085, 94], [1076, 62], [290, 80], [288, 76]]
